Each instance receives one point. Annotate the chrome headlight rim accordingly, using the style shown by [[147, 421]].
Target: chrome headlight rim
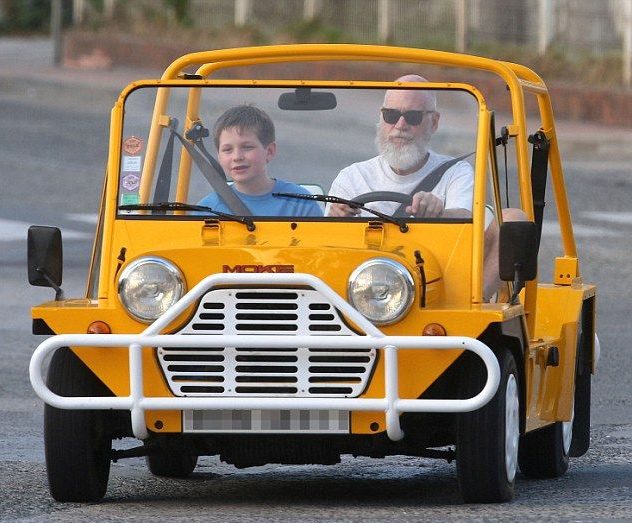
[[171, 268], [400, 270]]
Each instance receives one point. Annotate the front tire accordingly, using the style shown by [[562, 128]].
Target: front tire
[[77, 443], [487, 439]]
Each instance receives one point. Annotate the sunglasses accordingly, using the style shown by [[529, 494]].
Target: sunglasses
[[392, 116]]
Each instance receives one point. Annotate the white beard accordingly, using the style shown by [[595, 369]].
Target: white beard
[[401, 157]]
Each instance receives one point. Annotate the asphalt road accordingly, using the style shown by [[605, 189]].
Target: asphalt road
[[52, 152]]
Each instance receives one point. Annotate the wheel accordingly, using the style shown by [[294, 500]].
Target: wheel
[[487, 439], [383, 196], [77, 443], [171, 462], [544, 452], [581, 421]]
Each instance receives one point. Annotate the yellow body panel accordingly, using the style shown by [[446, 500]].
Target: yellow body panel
[[551, 388]]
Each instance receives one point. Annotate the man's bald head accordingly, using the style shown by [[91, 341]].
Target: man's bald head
[[426, 100]]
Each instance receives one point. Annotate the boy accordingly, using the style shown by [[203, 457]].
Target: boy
[[244, 137]]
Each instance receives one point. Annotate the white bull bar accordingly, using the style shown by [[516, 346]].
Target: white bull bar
[[137, 403]]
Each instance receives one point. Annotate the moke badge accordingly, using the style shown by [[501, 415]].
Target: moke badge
[[130, 182], [257, 269], [133, 145]]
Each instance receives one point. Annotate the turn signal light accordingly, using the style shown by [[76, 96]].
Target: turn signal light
[[434, 329], [99, 327]]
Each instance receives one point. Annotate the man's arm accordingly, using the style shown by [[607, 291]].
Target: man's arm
[[338, 188], [458, 196]]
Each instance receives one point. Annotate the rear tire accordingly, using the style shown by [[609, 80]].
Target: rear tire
[[583, 377], [77, 443], [544, 452], [487, 439], [581, 422], [171, 463]]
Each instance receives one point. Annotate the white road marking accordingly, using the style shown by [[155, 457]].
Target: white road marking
[[13, 230], [612, 217], [552, 230], [82, 217]]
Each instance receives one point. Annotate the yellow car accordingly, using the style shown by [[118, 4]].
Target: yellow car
[[295, 296]]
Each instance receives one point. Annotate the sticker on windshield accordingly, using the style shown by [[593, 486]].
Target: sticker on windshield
[[130, 182], [131, 164], [133, 145], [129, 199]]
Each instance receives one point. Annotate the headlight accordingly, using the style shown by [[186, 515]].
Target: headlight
[[382, 290], [149, 286]]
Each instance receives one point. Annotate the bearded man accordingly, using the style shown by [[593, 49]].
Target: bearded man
[[408, 119]]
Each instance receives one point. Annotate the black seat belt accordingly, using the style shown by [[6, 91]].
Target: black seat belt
[[163, 183], [196, 134], [539, 167], [431, 180]]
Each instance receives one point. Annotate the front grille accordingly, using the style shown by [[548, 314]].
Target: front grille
[[294, 372]]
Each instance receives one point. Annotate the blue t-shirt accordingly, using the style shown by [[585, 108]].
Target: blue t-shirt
[[268, 205]]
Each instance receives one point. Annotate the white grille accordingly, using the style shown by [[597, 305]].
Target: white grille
[[295, 372]]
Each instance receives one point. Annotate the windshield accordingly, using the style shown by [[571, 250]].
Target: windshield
[[279, 152]]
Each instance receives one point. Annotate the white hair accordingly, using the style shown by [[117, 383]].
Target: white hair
[[402, 157]]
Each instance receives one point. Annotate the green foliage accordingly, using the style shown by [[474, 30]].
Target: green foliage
[[24, 15], [181, 11], [558, 63], [314, 30]]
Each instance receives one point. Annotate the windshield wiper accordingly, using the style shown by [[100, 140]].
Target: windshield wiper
[[403, 226], [178, 206]]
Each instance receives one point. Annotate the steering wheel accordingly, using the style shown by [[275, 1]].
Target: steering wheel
[[383, 196]]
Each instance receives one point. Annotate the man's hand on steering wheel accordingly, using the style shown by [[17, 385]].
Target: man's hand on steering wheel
[[425, 205]]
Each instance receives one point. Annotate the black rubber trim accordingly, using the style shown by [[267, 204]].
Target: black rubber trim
[[41, 327]]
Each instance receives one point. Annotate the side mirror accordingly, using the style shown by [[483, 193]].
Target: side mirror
[[304, 99], [518, 258], [45, 257]]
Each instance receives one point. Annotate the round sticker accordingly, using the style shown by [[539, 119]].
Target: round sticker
[[133, 145]]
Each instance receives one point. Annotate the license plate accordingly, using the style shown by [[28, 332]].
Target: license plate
[[267, 421]]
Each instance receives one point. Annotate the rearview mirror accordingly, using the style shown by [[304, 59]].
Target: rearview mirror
[[44, 256], [518, 258], [304, 99]]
